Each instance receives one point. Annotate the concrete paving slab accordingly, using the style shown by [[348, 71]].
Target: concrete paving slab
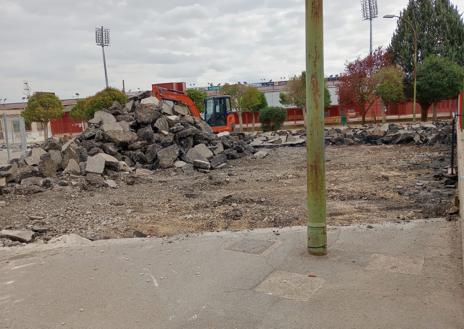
[[198, 282]]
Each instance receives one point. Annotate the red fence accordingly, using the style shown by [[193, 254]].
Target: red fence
[[66, 126]]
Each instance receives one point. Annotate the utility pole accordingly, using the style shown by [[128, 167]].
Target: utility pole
[[316, 198], [102, 38]]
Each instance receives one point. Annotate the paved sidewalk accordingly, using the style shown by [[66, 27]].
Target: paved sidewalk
[[392, 276]]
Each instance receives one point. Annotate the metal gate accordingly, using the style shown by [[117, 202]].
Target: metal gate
[[13, 141]]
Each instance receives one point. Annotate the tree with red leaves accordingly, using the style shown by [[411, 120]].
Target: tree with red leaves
[[358, 83]]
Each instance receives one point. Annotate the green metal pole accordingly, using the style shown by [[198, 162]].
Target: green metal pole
[[317, 232]]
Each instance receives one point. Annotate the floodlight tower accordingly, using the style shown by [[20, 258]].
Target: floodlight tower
[[102, 38], [370, 10]]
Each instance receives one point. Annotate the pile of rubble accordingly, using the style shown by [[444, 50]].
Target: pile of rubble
[[389, 133], [137, 138]]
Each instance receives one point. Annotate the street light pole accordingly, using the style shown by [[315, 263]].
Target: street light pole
[[316, 199], [414, 31]]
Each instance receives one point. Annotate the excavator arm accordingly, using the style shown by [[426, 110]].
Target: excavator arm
[[176, 96]]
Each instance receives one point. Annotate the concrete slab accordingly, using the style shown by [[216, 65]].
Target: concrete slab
[[198, 282]]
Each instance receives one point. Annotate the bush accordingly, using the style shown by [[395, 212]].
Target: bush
[[86, 108], [272, 118]]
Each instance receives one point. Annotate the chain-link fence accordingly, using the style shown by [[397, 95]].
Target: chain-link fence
[[13, 136]]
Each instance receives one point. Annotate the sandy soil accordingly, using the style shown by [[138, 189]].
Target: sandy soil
[[365, 184]]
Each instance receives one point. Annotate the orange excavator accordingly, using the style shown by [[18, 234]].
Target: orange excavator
[[217, 114]]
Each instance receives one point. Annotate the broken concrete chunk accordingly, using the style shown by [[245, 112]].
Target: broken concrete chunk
[[150, 100], [20, 236], [121, 137], [111, 183], [73, 168], [34, 158], [168, 156], [114, 126], [162, 124], [146, 114], [181, 110], [200, 164], [95, 164], [200, 152], [102, 117]]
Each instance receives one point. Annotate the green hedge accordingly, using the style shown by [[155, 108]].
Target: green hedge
[[86, 108], [272, 118]]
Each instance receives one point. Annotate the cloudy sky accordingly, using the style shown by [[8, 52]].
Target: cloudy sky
[[50, 43]]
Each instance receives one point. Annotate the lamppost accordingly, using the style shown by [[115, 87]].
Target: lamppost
[[370, 10], [102, 38], [411, 25]]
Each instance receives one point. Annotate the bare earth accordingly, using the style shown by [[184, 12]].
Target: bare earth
[[365, 184]]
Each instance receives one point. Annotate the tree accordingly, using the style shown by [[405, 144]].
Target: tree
[[244, 98], [85, 109], [198, 97], [295, 93], [272, 118], [43, 107], [438, 78], [440, 31], [390, 87], [259, 106], [358, 84]]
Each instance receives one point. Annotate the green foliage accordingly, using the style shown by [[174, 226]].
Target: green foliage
[[42, 107], [85, 109], [327, 98], [296, 92], [198, 96], [272, 118], [390, 86], [440, 31], [244, 98], [262, 103], [438, 78]]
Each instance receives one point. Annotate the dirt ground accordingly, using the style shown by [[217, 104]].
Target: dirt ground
[[365, 184]]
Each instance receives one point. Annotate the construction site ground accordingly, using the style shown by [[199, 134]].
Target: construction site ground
[[365, 184]]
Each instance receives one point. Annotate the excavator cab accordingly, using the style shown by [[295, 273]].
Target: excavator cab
[[218, 114]]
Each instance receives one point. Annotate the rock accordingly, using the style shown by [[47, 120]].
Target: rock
[[187, 133], [200, 152], [151, 153], [2, 204], [146, 134], [146, 114], [111, 183], [162, 125], [125, 126], [2, 182], [73, 168], [218, 161], [95, 180], [68, 152], [121, 137], [34, 158], [138, 234], [261, 154], [102, 117], [20, 236], [31, 181], [453, 210], [95, 164], [168, 156], [110, 148], [166, 109], [114, 126], [181, 110], [55, 156], [47, 166], [218, 148], [200, 164], [180, 164], [150, 100], [129, 105]]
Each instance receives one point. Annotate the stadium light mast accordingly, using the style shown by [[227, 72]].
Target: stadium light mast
[[370, 10], [102, 38]]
